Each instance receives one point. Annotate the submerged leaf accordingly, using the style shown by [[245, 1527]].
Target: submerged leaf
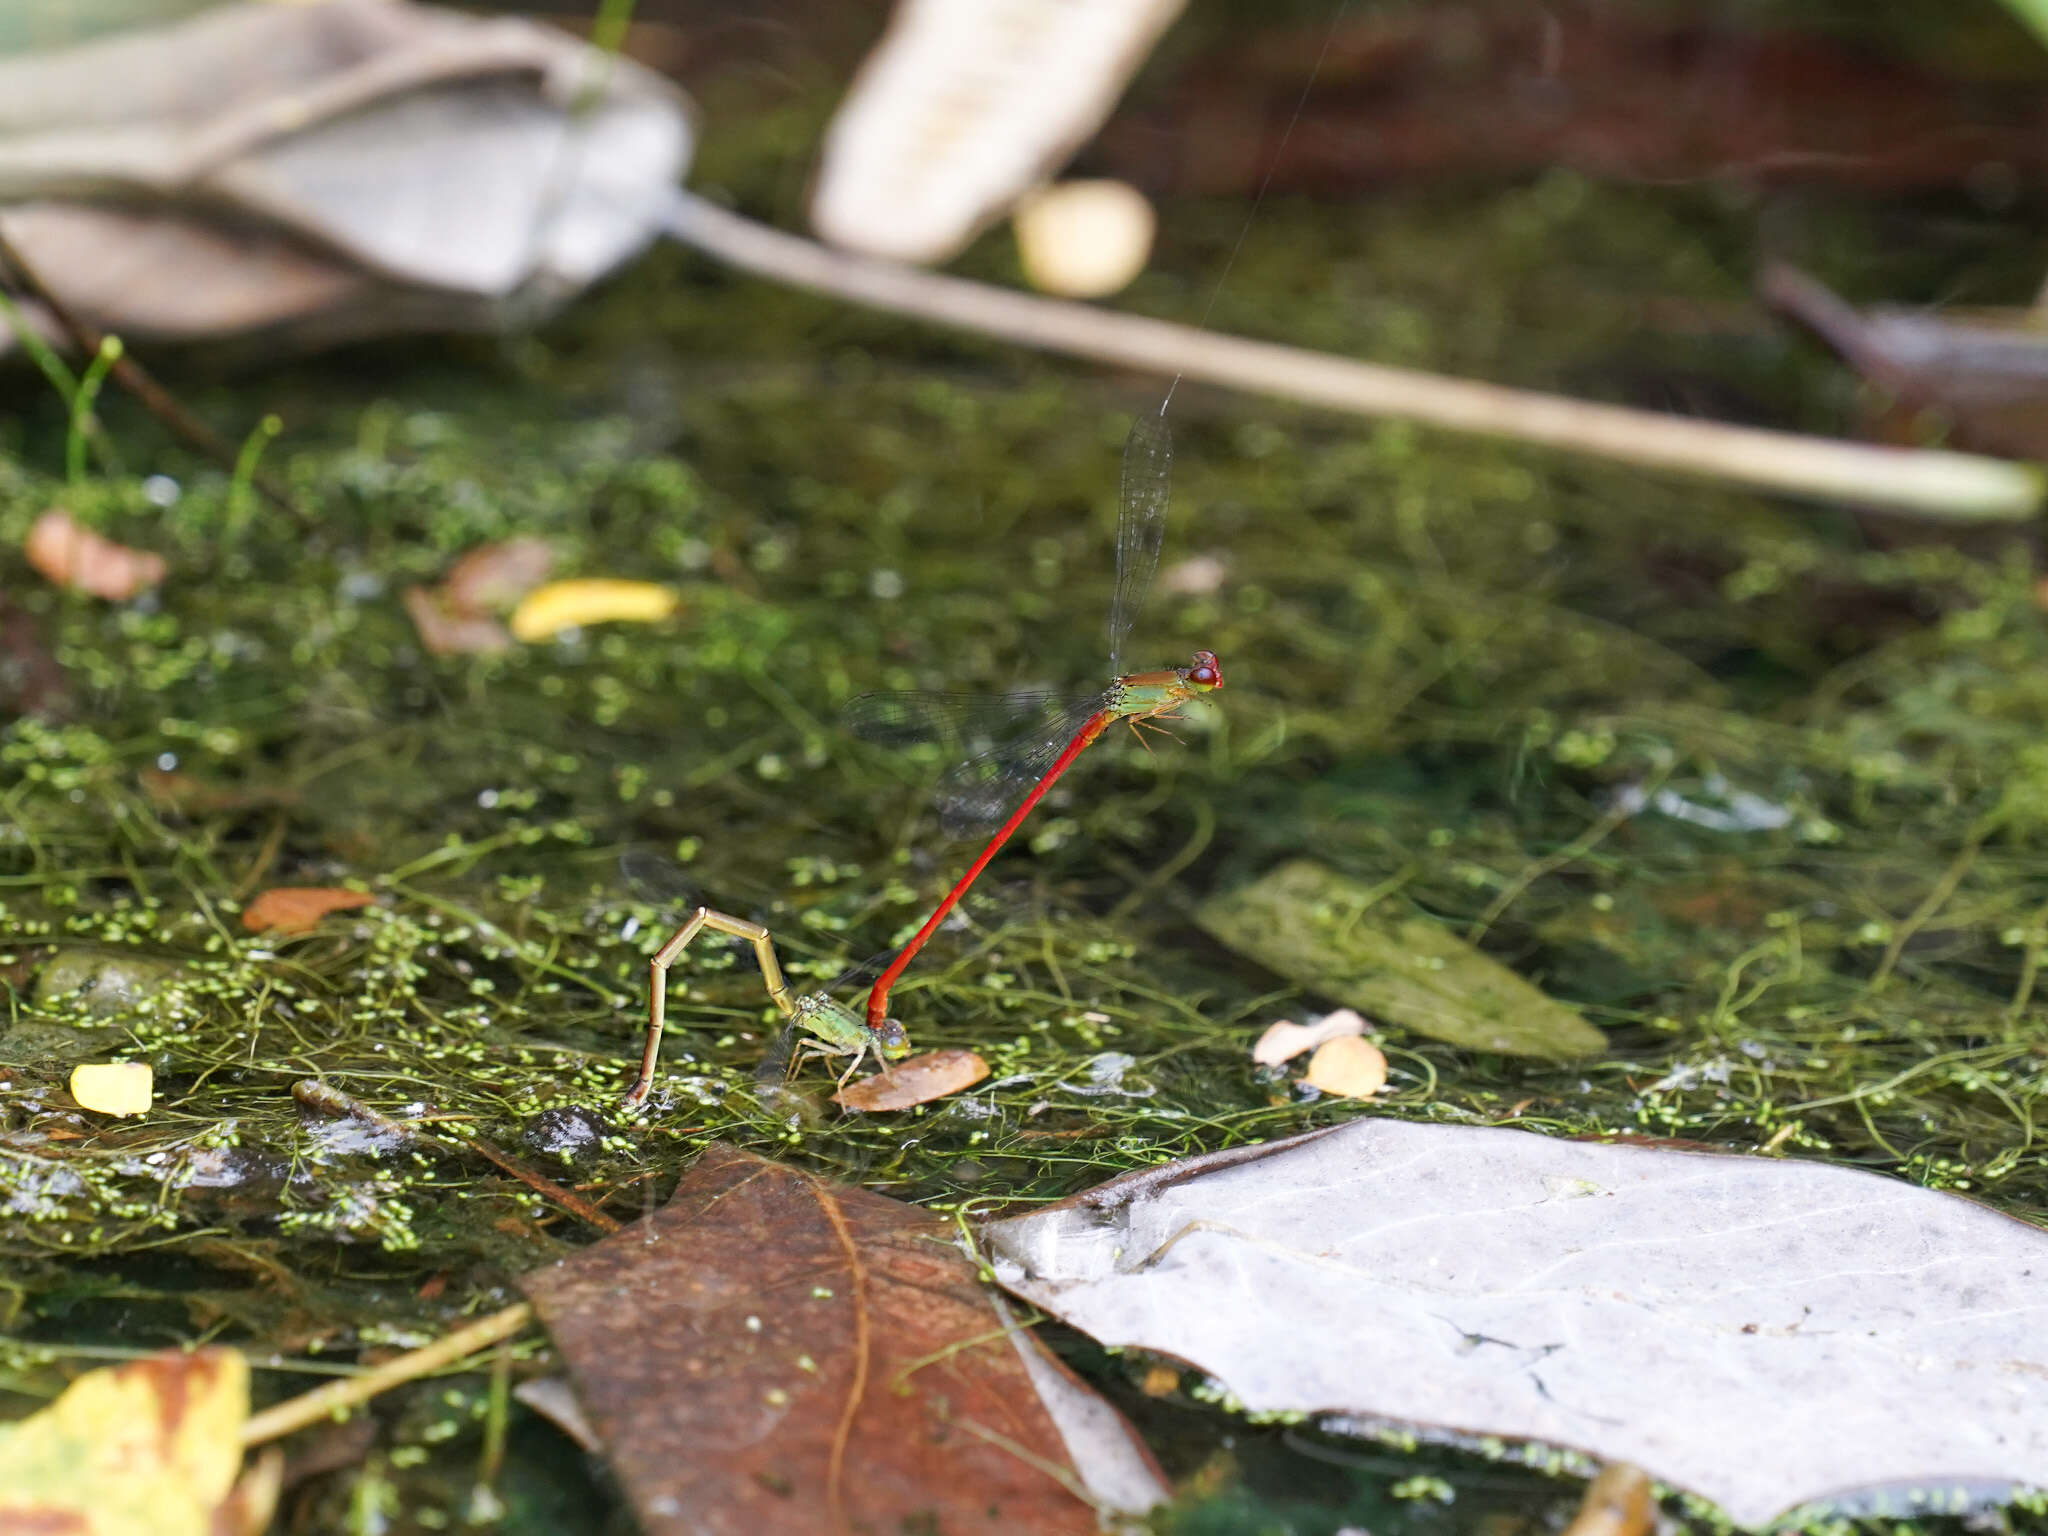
[[775, 1353], [1320, 929], [1760, 1331], [299, 908]]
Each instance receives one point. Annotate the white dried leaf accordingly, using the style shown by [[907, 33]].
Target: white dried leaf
[[963, 107], [335, 168], [1763, 1332]]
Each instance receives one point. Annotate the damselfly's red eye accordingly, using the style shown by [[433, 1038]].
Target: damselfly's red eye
[[1205, 671]]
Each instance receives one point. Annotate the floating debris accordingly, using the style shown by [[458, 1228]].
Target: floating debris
[[1285, 1039], [916, 1081], [114, 1087], [1349, 1067], [547, 611], [960, 108]]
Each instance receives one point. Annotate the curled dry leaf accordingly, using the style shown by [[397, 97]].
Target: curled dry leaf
[[299, 908], [113, 1087], [495, 576], [69, 554], [1349, 1067], [564, 605], [1285, 1040], [320, 172], [187, 794], [916, 1081], [448, 633]]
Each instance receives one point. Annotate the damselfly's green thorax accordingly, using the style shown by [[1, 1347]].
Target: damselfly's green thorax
[[837, 1030], [1145, 695]]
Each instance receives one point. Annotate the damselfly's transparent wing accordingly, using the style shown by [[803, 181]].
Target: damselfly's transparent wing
[[1004, 743], [984, 789]]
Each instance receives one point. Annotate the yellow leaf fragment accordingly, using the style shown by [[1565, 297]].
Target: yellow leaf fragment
[[113, 1087], [564, 605], [144, 1449], [1349, 1067]]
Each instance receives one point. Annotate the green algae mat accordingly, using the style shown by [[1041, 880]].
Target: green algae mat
[[1817, 930]]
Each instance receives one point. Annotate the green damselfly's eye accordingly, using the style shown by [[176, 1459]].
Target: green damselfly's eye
[[891, 1040]]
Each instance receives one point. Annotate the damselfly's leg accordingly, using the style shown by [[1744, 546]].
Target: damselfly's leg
[[1139, 723], [819, 1049], [858, 1057], [657, 989]]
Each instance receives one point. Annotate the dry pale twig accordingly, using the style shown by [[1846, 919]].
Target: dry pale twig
[[1931, 482]]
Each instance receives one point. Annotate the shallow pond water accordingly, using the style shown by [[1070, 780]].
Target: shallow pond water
[[1447, 662]]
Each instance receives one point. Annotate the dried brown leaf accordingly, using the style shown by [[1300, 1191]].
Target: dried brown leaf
[[188, 794], [916, 1081], [495, 576], [447, 633], [299, 908], [774, 1353], [67, 553], [32, 681]]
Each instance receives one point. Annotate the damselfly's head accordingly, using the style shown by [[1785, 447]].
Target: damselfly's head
[[890, 1041], [1202, 673]]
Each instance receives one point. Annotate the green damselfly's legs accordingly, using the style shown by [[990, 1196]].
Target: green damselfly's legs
[[836, 1029]]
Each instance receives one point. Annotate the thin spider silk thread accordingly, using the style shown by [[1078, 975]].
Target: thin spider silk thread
[[1265, 182]]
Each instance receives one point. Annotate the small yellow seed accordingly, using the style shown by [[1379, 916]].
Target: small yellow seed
[[1083, 239], [113, 1087], [561, 605]]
